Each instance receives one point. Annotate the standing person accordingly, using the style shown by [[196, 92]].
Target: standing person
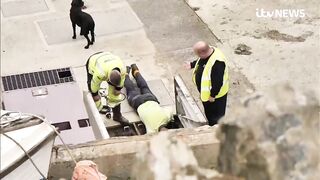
[[211, 77], [104, 66]]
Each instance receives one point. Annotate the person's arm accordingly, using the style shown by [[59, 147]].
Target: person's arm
[[168, 117], [95, 84], [217, 73], [95, 87], [193, 64], [169, 113], [189, 65]]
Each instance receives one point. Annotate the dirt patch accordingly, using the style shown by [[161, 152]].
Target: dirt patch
[[243, 49], [224, 22], [276, 35]]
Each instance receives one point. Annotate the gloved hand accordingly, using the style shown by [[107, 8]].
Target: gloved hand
[[105, 110]]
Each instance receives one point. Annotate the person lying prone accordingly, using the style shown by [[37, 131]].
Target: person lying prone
[[145, 103]]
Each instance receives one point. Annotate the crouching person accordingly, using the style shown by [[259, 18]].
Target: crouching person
[[146, 104], [104, 66]]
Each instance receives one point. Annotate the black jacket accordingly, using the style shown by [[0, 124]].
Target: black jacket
[[217, 73]]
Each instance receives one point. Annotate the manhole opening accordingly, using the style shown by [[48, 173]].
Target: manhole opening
[[139, 128]]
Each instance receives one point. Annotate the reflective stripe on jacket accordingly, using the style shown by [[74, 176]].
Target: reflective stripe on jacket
[[100, 66], [153, 115]]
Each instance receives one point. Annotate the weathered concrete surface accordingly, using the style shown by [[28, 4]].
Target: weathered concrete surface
[[272, 135], [166, 158], [116, 156], [23, 7], [173, 28], [284, 50], [39, 40]]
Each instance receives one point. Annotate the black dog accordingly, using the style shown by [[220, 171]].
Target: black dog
[[83, 20]]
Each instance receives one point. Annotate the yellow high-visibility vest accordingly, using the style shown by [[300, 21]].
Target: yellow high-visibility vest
[[100, 66], [206, 76]]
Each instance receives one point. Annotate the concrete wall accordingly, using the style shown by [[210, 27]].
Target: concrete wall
[[115, 156]]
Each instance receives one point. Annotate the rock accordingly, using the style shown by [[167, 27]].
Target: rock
[[166, 158], [195, 8], [243, 49], [271, 136]]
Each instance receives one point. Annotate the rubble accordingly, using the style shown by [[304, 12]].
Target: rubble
[[243, 49], [274, 135]]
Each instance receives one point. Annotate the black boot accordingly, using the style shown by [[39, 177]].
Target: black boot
[[128, 69], [117, 116], [135, 69]]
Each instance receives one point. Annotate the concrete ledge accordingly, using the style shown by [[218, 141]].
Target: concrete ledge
[[97, 124], [115, 156]]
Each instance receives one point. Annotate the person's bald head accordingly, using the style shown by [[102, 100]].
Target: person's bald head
[[115, 77], [202, 49]]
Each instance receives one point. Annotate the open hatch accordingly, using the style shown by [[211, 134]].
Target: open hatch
[[188, 114]]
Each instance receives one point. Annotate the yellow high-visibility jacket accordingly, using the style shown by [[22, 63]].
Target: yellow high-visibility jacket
[[206, 76], [153, 115], [100, 66]]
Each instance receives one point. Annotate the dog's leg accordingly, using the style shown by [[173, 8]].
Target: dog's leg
[[92, 37], [88, 41], [74, 31]]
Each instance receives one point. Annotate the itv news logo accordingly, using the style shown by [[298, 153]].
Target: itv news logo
[[280, 13]]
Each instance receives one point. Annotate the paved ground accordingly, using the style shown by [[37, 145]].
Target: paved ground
[[284, 50], [157, 35]]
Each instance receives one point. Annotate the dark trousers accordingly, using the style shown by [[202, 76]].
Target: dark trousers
[[215, 110], [140, 95]]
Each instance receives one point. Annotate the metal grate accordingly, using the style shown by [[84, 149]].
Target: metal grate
[[36, 79]]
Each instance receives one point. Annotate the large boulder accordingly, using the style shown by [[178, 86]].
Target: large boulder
[[169, 158], [272, 136]]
